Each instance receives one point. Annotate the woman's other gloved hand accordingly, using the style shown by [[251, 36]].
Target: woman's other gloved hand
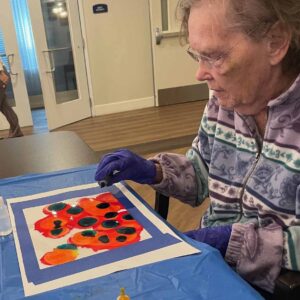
[[217, 237], [125, 165]]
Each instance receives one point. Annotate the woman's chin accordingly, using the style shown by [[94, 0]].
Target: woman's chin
[[226, 103], [229, 103]]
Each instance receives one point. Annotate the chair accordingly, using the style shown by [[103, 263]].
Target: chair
[[287, 285]]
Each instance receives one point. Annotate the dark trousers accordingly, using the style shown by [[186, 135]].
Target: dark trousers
[[10, 116]]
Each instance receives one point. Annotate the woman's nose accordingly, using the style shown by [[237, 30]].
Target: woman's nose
[[203, 72]]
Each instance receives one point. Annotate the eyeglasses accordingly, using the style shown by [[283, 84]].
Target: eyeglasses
[[213, 61], [216, 61]]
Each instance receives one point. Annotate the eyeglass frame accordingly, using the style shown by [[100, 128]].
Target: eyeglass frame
[[209, 61]]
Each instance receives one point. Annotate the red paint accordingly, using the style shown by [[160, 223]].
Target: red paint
[[99, 235]]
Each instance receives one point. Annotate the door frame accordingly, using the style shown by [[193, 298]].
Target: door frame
[[86, 55], [67, 112]]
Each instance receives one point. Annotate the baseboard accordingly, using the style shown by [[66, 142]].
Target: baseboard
[[183, 94], [36, 101], [105, 109]]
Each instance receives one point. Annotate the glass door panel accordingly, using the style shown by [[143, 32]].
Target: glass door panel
[[56, 20], [59, 43], [27, 52]]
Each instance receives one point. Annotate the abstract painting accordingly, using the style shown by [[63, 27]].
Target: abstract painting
[[67, 233]]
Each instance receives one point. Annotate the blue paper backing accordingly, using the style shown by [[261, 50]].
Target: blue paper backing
[[37, 276]]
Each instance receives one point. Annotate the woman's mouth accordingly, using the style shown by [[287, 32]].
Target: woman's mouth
[[217, 93]]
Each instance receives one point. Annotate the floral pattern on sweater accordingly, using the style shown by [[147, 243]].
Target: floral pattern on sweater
[[253, 183]]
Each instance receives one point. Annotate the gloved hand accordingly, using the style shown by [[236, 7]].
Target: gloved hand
[[125, 165], [217, 237]]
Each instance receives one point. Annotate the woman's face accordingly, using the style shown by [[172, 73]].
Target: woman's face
[[243, 78]]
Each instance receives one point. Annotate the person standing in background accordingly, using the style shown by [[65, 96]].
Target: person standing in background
[[8, 112]]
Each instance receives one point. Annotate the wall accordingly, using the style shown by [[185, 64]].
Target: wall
[[118, 46]]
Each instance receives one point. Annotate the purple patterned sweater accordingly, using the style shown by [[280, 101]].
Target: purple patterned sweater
[[252, 183]]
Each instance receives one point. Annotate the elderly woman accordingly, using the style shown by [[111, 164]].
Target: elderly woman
[[246, 154]]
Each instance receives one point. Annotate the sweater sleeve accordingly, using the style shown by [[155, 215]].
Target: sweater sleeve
[[256, 253], [186, 177], [179, 178]]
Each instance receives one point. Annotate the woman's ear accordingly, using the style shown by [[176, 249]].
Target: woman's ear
[[278, 41]]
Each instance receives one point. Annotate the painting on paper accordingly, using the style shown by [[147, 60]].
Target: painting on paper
[[97, 223], [66, 233]]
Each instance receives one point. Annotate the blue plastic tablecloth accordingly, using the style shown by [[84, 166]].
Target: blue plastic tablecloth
[[200, 276]]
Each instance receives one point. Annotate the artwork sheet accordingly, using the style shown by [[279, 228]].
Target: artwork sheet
[[40, 252]]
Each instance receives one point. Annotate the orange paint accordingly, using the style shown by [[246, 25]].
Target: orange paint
[[83, 238], [96, 207], [126, 219], [59, 256], [87, 221], [106, 223], [53, 227], [106, 197], [104, 240]]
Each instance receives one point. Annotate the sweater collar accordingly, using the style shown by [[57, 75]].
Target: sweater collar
[[293, 92]]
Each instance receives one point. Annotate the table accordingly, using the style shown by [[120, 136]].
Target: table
[[199, 276], [43, 153]]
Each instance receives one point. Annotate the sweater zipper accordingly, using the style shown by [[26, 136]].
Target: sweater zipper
[[245, 182], [257, 156]]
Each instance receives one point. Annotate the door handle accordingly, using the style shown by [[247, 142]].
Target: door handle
[[51, 61], [159, 35], [10, 61], [51, 58]]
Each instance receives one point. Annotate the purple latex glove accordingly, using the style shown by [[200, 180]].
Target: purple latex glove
[[217, 237], [125, 165]]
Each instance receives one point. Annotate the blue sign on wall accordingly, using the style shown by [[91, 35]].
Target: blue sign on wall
[[100, 8]]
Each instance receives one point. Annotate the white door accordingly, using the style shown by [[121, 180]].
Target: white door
[[174, 70], [16, 91], [59, 46]]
